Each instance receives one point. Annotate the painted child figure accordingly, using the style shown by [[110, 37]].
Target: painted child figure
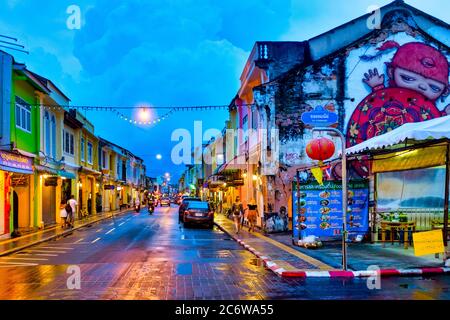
[[418, 77]]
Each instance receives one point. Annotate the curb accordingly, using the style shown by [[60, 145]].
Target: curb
[[335, 273], [8, 252]]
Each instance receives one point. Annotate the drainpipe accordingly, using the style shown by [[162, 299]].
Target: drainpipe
[[447, 177]]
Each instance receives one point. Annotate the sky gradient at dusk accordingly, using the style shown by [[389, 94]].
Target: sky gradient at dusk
[[163, 53]]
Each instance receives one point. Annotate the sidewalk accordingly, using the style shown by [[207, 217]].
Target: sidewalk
[[288, 260], [16, 244], [277, 256]]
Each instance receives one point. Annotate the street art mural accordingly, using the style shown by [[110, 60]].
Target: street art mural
[[412, 86]]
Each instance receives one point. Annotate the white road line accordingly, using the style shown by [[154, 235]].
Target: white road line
[[121, 223], [14, 258], [57, 248], [110, 231], [99, 230], [112, 223], [45, 251], [36, 254], [95, 240], [79, 240], [7, 264]]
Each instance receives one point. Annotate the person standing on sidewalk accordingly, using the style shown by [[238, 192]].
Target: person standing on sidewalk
[[238, 212], [63, 216], [71, 215], [252, 214]]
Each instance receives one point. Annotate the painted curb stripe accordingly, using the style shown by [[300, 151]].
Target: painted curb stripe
[[410, 271], [318, 274], [367, 273], [336, 274], [294, 274], [432, 270], [389, 272], [339, 274]]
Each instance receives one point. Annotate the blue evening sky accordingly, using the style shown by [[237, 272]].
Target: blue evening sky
[[164, 53]]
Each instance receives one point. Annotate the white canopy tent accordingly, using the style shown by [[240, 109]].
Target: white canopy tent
[[435, 129], [426, 143]]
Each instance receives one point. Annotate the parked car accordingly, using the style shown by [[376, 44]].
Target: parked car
[[165, 202], [198, 212], [183, 205]]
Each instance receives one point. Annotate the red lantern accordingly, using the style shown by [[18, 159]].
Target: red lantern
[[320, 149]]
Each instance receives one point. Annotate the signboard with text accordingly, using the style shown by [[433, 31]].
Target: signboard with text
[[429, 242], [15, 161], [321, 209], [319, 117]]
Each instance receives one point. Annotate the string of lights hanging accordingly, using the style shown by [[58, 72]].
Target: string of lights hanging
[[115, 108], [144, 121], [143, 117]]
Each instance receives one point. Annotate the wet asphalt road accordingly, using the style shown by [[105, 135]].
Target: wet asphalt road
[[138, 256]]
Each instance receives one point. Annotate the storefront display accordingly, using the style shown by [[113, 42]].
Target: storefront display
[[412, 195]]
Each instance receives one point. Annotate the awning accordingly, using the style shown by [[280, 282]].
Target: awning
[[46, 170], [418, 131], [239, 162], [66, 174], [89, 171], [16, 170], [416, 158]]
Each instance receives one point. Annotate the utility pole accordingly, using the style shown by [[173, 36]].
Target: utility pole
[[344, 192]]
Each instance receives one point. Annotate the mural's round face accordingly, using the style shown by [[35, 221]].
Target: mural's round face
[[430, 88]]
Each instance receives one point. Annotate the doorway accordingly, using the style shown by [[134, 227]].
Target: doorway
[[15, 211], [48, 204]]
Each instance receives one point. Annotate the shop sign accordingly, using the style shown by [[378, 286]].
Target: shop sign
[[51, 182], [429, 242], [16, 161], [321, 209], [319, 117]]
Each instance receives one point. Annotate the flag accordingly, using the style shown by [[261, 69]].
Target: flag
[[318, 175]]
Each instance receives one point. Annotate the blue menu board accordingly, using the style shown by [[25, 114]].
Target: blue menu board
[[321, 210]]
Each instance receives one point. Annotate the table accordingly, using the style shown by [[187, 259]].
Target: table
[[397, 226]]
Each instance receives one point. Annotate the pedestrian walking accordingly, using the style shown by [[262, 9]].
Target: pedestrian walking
[[238, 212], [252, 214], [63, 216], [71, 210]]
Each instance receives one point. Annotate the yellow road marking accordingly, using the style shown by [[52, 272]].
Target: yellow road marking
[[310, 260], [285, 265]]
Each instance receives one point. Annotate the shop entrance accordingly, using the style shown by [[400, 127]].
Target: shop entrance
[[90, 187], [15, 211], [49, 201]]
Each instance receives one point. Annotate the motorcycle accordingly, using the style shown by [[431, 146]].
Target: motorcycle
[[137, 207], [151, 207]]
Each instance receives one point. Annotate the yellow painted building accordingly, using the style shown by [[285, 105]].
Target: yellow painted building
[[88, 174]]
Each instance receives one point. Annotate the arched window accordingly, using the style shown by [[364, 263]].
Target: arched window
[[47, 133], [53, 136]]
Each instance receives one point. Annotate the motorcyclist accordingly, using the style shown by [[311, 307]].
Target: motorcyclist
[[151, 204], [137, 204]]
